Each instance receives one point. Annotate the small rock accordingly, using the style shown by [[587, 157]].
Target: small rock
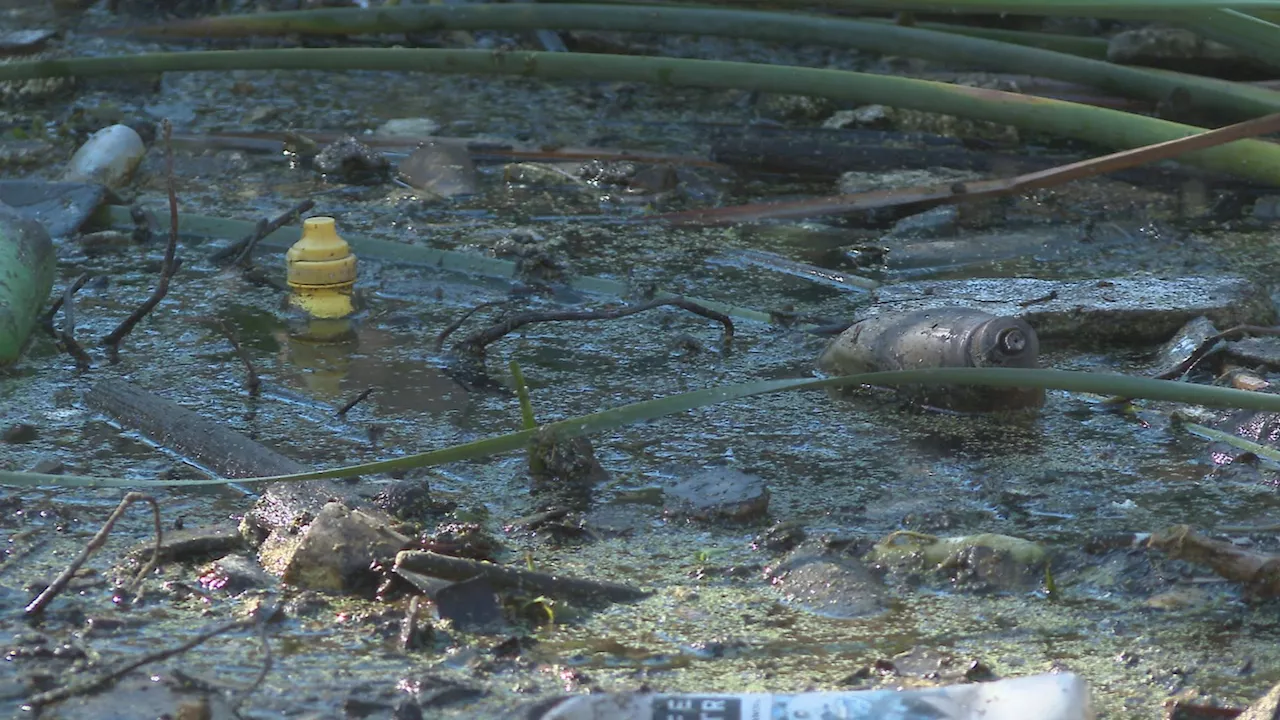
[[350, 161], [1267, 208], [179, 545], [719, 494], [1256, 351], [62, 208], [20, 433], [607, 172], [335, 552], [874, 117], [830, 585], [408, 127], [17, 42], [1133, 46], [48, 466], [1179, 347], [655, 179], [563, 472], [234, 574], [933, 223], [472, 605], [408, 499]]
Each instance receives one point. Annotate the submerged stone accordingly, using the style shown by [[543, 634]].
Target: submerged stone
[[1121, 310], [828, 584], [719, 494], [335, 552]]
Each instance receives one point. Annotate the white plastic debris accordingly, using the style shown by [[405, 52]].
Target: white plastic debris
[[108, 157], [1038, 697]]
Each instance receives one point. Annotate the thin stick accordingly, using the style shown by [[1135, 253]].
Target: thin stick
[[60, 583], [251, 382], [47, 320], [475, 343], [171, 263], [68, 333], [445, 333], [74, 689], [342, 411], [268, 661], [932, 195], [242, 249], [1207, 345]]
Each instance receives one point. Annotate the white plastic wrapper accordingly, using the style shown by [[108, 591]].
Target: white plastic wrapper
[[1038, 697]]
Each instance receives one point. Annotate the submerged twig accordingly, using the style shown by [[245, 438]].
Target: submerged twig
[[36, 606], [242, 249], [504, 576], [46, 321], [251, 382], [171, 262], [342, 411], [1259, 571], [453, 326], [268, 660], [475, 344], [88, 686], [1208, 344], [68, 333]]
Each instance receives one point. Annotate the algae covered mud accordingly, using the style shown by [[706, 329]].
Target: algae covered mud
[[778, 544]]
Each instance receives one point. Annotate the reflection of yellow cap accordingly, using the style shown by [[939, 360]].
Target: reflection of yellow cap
[[321, 270]]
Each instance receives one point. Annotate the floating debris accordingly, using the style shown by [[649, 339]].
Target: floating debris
[[441, 169], [108, 157], [946, 337]]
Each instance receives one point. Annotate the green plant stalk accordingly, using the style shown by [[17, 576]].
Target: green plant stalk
[[1234, 99], [1086, 47], [1252, 36], [1251, 159], [527, 421], [1097, 383], [1264, 452], [1125, 9]]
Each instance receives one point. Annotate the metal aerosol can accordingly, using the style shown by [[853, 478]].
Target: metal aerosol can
[[941, 337]]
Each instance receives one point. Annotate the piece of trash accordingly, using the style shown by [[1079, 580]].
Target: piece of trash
[[27, 266], [440, 168], [108, 157], [1037, 697], [946, 337]]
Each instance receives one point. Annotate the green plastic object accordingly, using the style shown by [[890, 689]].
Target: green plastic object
[[27, 265]]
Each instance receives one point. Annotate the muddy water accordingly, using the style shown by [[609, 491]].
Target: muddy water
[[852, 468]]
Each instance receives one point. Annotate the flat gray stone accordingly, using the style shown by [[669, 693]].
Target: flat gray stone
[[1091, 312], [62, 207]]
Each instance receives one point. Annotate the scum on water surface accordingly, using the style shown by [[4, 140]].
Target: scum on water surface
[[842, 468]]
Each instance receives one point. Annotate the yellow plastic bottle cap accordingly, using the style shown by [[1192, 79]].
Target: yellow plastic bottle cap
[[320, 257]]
